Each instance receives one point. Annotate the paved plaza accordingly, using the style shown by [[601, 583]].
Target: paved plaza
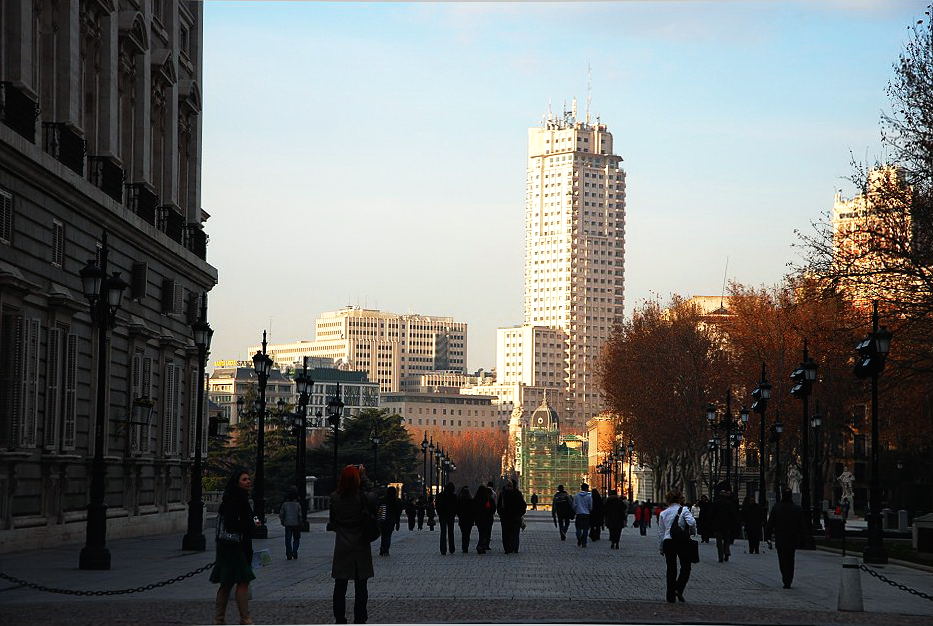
[[547, 581]]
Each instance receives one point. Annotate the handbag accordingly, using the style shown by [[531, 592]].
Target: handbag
[[371, 529], [226, 536], [693, 551]]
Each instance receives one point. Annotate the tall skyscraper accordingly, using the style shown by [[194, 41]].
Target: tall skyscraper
[[574, 250]]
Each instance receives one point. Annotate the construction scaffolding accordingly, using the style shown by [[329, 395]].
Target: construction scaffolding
[[549, 459]]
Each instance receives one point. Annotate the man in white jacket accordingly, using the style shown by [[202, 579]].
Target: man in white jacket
[[582, 507], [676, 547]]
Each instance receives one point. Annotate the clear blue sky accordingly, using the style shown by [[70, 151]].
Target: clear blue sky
[[374, 154]]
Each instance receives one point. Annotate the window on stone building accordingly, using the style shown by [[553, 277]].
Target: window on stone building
[[6, 216], [58, 243]]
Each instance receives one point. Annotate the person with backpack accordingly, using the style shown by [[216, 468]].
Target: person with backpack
[[446, 512], [484, 512], [675, 525], [562, 511], [465, 515]]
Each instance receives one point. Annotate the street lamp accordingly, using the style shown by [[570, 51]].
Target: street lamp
[[872, 353], [437, 466], [431, 466], [711, 447], [374, 438], [804, 377], [104, 294], [262, 365], [731, 436], [334, 410], [631, 458], [815, 423], [761, 395], [194, 538], [776, 429], [424, 455], [303, 385]]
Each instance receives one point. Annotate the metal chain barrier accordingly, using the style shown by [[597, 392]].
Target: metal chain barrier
[[105, 592], [883, 579]]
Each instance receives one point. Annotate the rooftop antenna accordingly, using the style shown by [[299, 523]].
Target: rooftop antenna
[[722, 294], [589, 91], [573, 110]]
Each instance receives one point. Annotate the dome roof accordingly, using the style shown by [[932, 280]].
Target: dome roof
[[545, 417]]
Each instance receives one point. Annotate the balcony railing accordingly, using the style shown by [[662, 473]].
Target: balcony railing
[[65, 144], [142, 201], [171, 222], [197, 240], [18, 110], [106, 174]]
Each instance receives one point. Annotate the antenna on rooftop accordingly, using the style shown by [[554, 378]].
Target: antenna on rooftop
[[589, 91], [722, 294]]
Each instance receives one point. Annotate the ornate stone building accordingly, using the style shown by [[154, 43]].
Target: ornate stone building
[[99, 131]]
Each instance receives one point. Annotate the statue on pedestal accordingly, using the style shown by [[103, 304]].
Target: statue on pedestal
[[793, 479], [846, 479]]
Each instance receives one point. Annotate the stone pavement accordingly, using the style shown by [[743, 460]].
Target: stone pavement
[[548, 580]]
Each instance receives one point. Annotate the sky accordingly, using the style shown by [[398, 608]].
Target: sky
[[374, 154]]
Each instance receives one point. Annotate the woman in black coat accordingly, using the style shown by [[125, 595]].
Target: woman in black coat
[[410, 512], [350, 510], [484, 511], [753, 518], [233, 565], [465, 511], [511, 507], [596, 516], [615, 511]]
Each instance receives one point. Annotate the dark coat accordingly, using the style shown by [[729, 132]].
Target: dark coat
[[446, 504], [466, 510], [353, 557], [786, 524], [484, 506], [511, 506], [615, 511], [725, 516], [705, 521], [596, 513], [753, 517], [238, 518], [410, 508]]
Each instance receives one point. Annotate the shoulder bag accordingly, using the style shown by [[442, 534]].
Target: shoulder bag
[[226, 536], [370, 524]]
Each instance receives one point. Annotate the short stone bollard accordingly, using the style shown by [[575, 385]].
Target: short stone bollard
[[850, 586]]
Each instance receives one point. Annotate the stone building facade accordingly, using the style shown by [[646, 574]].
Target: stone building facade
[[99, 131]]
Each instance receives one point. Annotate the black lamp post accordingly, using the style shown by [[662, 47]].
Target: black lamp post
[[761, 395], [194, 538], [437, 466], [631, 460], [776, 429], [424, 456], [262, 364], [376, 440], [711, 447], [872, 354], [303, 385], [815, 423], [104, 293], [731, 437], [334, 411], [739, 437], [431, 466], [804, 377]]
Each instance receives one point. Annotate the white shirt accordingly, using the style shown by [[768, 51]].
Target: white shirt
[[583, 503], [687, 521]]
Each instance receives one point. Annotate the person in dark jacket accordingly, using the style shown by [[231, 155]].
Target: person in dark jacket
[[786, 524], [484, 512], [446, 512], [465, 514], [431, 510], [410, 512], [233, 565], [644, 517], [705, 521], [725, 519], [534, 501], [753, 519], [349, 510], [511, 507], [421, 506], [390, 513], [562, 511], [614, 510], [596, 515]]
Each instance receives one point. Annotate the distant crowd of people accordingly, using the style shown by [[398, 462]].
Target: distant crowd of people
[[358, 516]]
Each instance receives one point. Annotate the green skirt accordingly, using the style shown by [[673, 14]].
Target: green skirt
[[231, 566]]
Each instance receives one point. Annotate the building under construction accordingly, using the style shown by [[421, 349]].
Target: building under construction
[[544, 458]]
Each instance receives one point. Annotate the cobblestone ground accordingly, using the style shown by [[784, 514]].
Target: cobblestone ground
[[547, 581]]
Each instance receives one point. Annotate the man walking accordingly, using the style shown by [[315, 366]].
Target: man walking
[[582, 507], [534, 501], [725, 520], [511, 508], [446, 511], [787, 525], [562, 511]]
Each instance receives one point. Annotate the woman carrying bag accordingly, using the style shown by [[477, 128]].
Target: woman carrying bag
[[235, 524], [352, 514]]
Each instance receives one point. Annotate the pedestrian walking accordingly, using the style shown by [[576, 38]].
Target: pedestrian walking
[[534, 501], [511, 508], [350, 509], [596, 515], [410, 511], [234, 543], [614, 510], [725, 519], [431, 510], [290, 516], [786, 525], [421, 506], [582, 506], [657, 513], [465, 515], [647, 513], [446, 505], [753, 519], [390, 513], [625, 504], [644, 517], [484, 511], [675, 525], [562, 511], [705, 521]]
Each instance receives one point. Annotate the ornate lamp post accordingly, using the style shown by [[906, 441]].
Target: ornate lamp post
[[815, 423], [431, 448], [375, 440], [731, 437], [334, 411], [104, 294], [631, 460], [262, 364], [761, 395], [742, 426], [873, 352], [711, 447], [304, 385], [438, 453], [776, 429], [424, 457], [194, 538], [804, 377]]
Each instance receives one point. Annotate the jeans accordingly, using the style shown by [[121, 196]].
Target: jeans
[[465, 531], [723, 542], [582, 524], [447, 535], [511, 533], [385, 530], [643, 528], [411, 522], [361, 596], [786, 563], [420, 520], [563, 523], [484, 529], [675, 583], [292, 540], [615, 533]]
